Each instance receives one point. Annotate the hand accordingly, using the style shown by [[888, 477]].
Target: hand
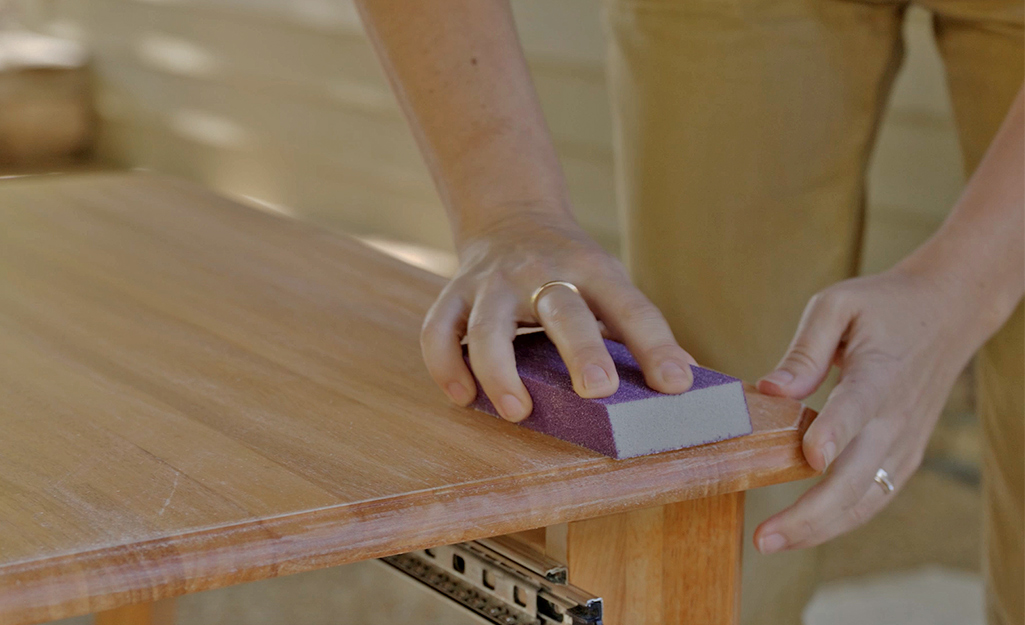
[[900, 340], [490, 296]]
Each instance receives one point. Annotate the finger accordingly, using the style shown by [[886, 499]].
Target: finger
[[633, 318], [816, 516], [490, 332], [810, 355], [857, 399], [902, 465], [575, 332], [440, 337]]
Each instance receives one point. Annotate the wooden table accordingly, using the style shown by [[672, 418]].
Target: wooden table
[[195, 394]]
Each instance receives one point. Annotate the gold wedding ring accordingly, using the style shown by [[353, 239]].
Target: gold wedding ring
[[883, 479], [544, 287]]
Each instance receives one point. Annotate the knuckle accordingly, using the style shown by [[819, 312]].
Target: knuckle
[[597, 264], [435, 364], [800, 357], [441, 367], [440, 374], [640, 312], [493, 286], [819, 433], [854, 405], [479, 328], [591, 354], [430, 329], [844, 433], [808, 529], [562, 312], [873, 369], [664, 351], [493, 380], [887, 428], [860, 514], [589, 259], [864, 409], [528, 267], [828, 302], [850, 494], [840, 431]]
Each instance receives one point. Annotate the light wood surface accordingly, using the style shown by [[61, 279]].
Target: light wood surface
[[664, 565], [195, 394]]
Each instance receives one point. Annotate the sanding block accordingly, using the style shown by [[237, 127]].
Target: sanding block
[[636, 420]]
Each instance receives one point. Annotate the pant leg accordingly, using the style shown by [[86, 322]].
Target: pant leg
[[982, 47], [742, 130], [1001, 384]]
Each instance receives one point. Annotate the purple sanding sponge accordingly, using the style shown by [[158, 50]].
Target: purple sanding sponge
[[636, 420]]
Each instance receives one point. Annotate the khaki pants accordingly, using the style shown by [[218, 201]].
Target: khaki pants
[[743, 128]]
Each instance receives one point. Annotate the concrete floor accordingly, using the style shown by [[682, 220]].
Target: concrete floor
[[929, 596]]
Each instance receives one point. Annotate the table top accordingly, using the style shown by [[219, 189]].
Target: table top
[[194, 394]]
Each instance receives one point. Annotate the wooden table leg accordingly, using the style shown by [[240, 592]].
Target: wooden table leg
[[667, 565], [153, 613]]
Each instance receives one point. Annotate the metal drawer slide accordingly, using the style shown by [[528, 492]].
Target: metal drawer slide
[[502, 581]]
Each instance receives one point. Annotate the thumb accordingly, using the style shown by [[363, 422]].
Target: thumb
[[810, 355]]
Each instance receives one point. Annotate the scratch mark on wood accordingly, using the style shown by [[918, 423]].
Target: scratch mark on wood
[[174, 488]]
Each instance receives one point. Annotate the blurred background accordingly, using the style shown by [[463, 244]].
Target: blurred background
[[282, 105]]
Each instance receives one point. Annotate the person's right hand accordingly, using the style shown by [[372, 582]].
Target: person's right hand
[[490, 297]]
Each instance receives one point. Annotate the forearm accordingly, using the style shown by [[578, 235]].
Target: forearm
[[980, 248], [461, 78]]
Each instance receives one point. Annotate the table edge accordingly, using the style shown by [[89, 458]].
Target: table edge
[[212, 558]]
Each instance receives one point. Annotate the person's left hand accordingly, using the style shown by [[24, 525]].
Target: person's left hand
[[900, 340]]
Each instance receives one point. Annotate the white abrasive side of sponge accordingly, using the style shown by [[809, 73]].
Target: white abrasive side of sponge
[[669, 422]]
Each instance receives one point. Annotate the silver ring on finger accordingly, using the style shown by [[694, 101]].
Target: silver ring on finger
[[883, 479], [536, 295]]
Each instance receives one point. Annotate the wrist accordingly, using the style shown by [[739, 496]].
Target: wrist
[[977, 294], [501, 220]]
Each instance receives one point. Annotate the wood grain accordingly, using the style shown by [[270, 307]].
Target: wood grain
[[677, 563], [534, 539], [195, 394]]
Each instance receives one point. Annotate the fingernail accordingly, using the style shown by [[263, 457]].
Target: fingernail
[[780, 377], [458, 393], [672, 373], [828, 453], [772, 543], [595, 377], [512, 408]]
